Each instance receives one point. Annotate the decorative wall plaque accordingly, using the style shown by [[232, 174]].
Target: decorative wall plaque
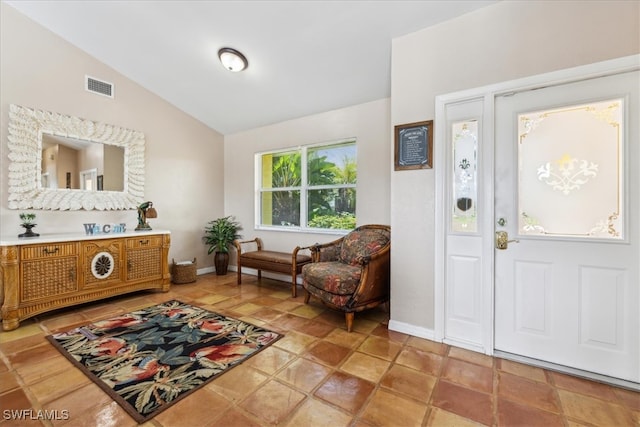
[[414, 146]]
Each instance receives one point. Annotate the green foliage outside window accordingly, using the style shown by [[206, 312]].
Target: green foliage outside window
[[331, 176], [342, 221]]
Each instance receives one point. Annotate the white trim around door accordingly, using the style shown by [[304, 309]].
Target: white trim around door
[[469, 323]]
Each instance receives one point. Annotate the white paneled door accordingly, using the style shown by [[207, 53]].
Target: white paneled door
[[567, 195]]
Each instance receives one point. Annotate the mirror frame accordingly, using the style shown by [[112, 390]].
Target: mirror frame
[[26, 127]]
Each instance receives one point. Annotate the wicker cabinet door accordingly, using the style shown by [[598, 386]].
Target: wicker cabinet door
[[144, 258], [48, 277], [101, 262]]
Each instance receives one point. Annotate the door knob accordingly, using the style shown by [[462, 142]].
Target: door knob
[[502, 240]]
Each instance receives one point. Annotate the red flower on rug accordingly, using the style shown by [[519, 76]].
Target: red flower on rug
[[149, 359]]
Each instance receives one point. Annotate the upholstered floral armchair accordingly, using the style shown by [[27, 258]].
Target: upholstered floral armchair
[[350, 274]]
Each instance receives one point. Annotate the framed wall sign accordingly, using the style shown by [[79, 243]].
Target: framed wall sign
[[414, 146]]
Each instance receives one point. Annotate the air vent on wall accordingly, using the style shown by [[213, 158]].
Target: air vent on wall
[[99, 87]]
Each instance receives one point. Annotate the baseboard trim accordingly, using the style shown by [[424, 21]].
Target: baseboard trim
[[413, 330], [205, 270], [252, 272], [430, 334]]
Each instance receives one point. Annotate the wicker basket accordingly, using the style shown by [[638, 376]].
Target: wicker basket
[[183, 272]]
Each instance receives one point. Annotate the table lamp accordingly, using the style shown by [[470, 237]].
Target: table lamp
[[145, 210]]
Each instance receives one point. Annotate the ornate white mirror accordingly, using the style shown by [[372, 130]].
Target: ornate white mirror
[[68, 163]]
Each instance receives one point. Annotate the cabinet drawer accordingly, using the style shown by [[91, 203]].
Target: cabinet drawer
[[144, 242], [48, 251]]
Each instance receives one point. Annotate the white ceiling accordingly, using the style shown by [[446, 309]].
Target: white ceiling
[[305, 57]]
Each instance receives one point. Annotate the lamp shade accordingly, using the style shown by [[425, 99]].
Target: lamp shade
[[232, 60], [152, 213]]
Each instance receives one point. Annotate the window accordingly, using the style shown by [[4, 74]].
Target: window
[[88, 179], [309, 188]]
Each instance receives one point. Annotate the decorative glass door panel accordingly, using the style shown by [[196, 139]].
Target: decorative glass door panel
[[570, 171], [465, 188], [567, 289]]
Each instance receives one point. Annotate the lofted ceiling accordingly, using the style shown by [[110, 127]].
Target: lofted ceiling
[[305, 57]]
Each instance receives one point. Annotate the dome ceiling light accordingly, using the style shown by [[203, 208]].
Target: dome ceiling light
[[232, 60]]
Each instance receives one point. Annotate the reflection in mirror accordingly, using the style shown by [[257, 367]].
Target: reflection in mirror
[[81, 165], [40, 179]]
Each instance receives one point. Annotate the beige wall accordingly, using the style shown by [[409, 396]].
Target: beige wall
[[368, 123], [66, 160], [505, 41], [113, 168], [184, 158], [193, 176]]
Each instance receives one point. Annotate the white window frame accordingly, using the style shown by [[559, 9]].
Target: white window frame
[[304, 188]]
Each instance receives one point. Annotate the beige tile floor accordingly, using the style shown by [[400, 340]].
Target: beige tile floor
[[317, 375]]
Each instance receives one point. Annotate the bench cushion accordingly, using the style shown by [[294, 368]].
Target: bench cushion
[[274, 257]]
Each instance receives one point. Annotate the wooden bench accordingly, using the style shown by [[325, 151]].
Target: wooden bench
[[279, 262]]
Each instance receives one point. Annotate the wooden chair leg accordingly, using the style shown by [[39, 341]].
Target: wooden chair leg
[[307, 296], [239, 273], [294, 275], [349, 318], [294, 289]]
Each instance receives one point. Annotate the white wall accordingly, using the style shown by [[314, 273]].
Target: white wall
[[505, 41], [184, 158], [368, 123]]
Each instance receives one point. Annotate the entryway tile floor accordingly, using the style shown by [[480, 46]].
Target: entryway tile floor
[[317, 375]]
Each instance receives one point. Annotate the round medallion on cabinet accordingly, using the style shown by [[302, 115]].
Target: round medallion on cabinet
[[102, 265]]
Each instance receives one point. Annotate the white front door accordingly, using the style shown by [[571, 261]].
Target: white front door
[[567, 188]]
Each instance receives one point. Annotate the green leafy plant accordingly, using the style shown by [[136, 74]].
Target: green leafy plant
[[328, 208], [27, 218], [220, 233], [342, 221]]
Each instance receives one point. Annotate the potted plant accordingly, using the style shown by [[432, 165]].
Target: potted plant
[[219, 234], [28, 223]]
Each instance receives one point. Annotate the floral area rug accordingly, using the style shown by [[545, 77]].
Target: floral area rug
[[151, 358]]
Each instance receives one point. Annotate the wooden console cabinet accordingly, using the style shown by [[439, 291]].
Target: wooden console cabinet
[[45, 273]]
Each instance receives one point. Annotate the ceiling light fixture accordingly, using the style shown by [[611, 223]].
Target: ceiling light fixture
[[232, 60]]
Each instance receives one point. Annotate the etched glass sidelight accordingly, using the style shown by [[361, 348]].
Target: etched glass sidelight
[[570, 171], [465, 188]]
